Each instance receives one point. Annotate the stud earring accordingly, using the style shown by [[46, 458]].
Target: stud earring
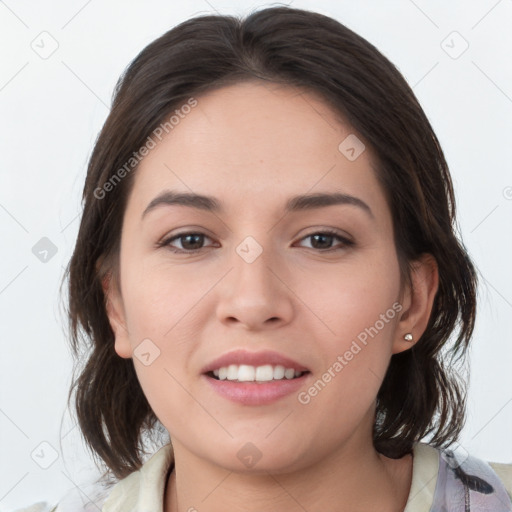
[[408, 337]]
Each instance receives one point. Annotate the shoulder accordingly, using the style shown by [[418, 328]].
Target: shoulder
[[86, 496], [504, 471], [444, 475], [145, 488]]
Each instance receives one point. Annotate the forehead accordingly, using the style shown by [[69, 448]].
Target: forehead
[[253, 139]]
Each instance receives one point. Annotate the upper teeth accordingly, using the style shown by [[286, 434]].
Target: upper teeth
[[246, 373]]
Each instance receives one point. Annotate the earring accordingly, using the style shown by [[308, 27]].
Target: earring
[[408, 337]]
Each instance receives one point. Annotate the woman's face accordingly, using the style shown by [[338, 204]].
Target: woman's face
[[259, 281]]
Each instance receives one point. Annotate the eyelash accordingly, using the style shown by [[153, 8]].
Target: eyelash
[[329, 232]]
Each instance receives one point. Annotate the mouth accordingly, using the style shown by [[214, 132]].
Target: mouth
[[255, 374], [255, 378]]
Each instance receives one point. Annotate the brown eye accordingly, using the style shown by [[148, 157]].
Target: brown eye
[[190, 242], [323, 240]]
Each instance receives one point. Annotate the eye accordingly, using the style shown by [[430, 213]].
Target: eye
[[325, 238], [190, 242]]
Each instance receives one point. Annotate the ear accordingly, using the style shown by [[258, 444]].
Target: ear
[[116, 316], [417, 302]]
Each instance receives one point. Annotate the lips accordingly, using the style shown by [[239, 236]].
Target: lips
[[255, 359], [255, 378]]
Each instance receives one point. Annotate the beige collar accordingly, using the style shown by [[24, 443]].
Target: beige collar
[[143, 490], [425, 468]]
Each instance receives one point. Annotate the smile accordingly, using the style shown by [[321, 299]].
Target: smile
[[248, 373], [255, 378]]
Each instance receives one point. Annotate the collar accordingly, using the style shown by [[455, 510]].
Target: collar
[[425, 470], [143, 490]]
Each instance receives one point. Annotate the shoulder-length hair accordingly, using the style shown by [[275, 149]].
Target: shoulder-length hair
[[421, 395]]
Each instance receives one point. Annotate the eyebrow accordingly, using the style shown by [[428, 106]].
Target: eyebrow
[[294, 204]]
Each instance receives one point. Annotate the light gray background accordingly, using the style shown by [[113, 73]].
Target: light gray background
[[51, 110]]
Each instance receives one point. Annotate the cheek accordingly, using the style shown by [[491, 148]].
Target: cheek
[[355, 363], [162, 360], [165, 389], [159, 334], [359, 312], [356, 360], [351, 298], [158, 300]]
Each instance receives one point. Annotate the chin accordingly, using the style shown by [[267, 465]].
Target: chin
[[260, 456]]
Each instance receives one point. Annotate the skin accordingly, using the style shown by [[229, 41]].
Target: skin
[[252, 146]]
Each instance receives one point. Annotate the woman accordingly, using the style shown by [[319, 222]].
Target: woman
[[267, 267]]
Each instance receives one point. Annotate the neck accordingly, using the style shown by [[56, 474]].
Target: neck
[[352, 479]]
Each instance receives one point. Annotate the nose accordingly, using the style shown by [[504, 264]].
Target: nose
[[254, 296]]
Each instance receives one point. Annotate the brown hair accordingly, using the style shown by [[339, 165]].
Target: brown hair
[[421, 394]]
